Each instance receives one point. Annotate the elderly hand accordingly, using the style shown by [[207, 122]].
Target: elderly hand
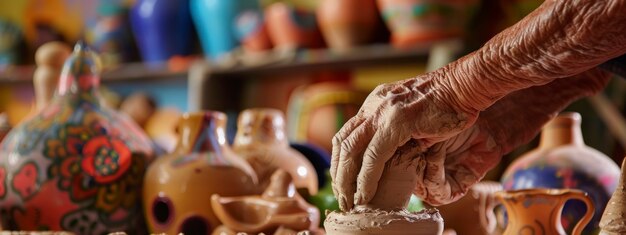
[[457, 157]]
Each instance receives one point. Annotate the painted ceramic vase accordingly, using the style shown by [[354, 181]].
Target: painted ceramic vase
[[562, 160], [414, 22], [538, 211], [10, 39], [262, 141], [292, 28], [613, 221], [110, 34], [178, 187], [76, 165], [278, 206], [473, 213], [215, 22], [162, 29], [346, 24], [251, 30]]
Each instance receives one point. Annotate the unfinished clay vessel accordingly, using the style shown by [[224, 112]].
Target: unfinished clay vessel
[[279, 206], [562, 160], [346, 24], [178, 187], [538, 211], [473, 213], [76, 165], [613, 221], [386, 213], [262, 141]]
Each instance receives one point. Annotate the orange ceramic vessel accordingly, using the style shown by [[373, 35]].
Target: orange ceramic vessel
[[292, 28], [473, 213], [538, 211], [178, 187], [347, 23]]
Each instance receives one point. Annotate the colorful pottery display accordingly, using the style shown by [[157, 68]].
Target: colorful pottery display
[[538, 211], [613, 221], [76, 165], [425, 21], [262, 141], [110, 34], [562, 160], [473, 213], [346, 24], [279, 206], [252, 31], [162, 28], [215, 22], [292, 28], [178, 187]]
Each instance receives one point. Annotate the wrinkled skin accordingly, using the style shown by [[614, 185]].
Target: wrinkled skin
[[530, 64]]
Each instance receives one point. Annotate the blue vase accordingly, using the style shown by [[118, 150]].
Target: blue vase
[[215, 22], [162, 28]]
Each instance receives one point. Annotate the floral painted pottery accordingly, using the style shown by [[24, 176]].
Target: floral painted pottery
[[538, 211], [386, 212], [473, 213], [215, 22], [292, 28], [252, 31], [162, 29], [346, 24], [562, 160], [178, 187], [262, 141], [279, 205], [76, 165], [613, 221], [425, 21]]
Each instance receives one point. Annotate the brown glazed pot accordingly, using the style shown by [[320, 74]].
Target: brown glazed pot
[[262, 141], [178, 187], [279, 206], [613, 221], [538, 211], [473, 213], [347, 23]]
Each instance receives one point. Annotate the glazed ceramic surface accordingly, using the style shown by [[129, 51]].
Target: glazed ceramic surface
[[162, 28], [262, 141], [562, 160], [473, 213], [111, 35], [215, 21], [279, 206], [76, 165], [538, 211], [292, 28], [178, 187], [347, 23], [424, 21], [613, 221], [251, 31]]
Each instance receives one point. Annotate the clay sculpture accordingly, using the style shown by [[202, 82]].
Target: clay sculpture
[[613, 221]]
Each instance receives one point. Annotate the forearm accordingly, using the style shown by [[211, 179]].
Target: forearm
[[559, 39], [518, 117]]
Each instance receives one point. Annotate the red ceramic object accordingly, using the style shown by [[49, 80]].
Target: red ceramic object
[[424, 21], [76, 165], [289, 27], [347, 23]]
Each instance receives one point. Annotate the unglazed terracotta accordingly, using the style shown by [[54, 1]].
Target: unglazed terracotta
[[262, 141], [279, 206], [562, 160], [538, 211], [346, 24], [292, 28], [613, 221], [425, 21], [386, 212], [49, 58], [76, 165], [178, 187], [473, 214]]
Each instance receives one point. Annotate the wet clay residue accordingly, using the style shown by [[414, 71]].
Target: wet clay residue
[[368, 220]]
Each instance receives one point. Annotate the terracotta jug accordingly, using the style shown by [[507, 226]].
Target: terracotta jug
[[613, 221], [262, 141], [473, 213], [279, 206], [538, 211], [76, 165], [562, 160], [346, 24], [178, 187]]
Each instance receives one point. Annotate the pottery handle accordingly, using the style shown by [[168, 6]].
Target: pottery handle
[[491, 215], [583, 196]]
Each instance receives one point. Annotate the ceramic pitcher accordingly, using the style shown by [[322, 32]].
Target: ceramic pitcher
[[538, 211]]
